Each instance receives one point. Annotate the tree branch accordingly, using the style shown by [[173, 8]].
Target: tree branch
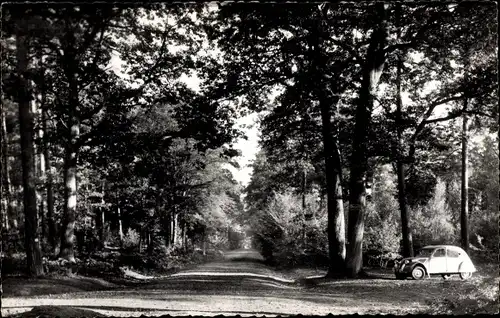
[[416, 38]]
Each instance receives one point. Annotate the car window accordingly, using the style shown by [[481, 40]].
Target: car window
[[440, 252], [425, 252], [452, 253]]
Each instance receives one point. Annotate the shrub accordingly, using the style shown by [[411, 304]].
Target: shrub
[[131, 239], [285, 238], [432, 223]]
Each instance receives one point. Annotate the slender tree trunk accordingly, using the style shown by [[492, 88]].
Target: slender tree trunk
[[32, 235], [42, 174], [403, 206], [48, 183], [184, 236], [464, 202], [399, 155], [175, 224], [5, 171], [372, 70], [7, 195], [168, 230], [304, 181], [4, 222], [120, 224], [204, 242]]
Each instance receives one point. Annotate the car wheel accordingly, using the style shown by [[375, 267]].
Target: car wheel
[[446, 276], [418, 273], [465, 275]]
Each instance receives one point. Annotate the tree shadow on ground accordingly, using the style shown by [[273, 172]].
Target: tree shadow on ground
[[25, 286], [57, 311], [89, 311], [249, 260]]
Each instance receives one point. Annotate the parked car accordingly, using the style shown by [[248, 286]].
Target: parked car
[[444, 260]]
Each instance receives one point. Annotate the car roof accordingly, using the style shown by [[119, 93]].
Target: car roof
[[447, 246]]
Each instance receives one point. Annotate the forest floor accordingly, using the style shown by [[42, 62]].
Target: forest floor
[[243, 285]]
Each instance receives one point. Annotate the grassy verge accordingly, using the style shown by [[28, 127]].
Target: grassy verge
[[100, 271]]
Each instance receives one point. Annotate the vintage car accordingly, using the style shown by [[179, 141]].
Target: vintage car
[[444, 260]]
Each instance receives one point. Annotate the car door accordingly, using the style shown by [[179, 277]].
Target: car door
[[453, 260], [437, 262]]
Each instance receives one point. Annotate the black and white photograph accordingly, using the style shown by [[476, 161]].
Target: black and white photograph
[[249, 158]]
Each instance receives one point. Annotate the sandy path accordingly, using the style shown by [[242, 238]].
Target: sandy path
[[240, 284]]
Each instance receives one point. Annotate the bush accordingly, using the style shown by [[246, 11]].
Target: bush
[[284, 238], [131, 240], [382, 221], [432, 223]]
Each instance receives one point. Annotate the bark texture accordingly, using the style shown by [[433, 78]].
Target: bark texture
[[32, 235], [372, 70], [464, 202]]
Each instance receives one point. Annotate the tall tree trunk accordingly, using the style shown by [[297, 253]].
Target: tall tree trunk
[[5, 184], [333, 167], [335, 206], [32, 238], [372, 70], [7, 195], [399, 155], [304, 181], [70, 174], [41, 171], [48, 182], [464, 202]]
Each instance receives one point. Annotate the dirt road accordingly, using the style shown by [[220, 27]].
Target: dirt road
[[243, 285]]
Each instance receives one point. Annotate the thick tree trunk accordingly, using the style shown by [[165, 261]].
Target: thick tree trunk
[[333, 167], [335, 206], [372, 70], [32, 235], [70, 174], [464, 202]]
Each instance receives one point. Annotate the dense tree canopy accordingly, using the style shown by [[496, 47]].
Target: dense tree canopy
[[359, 104]]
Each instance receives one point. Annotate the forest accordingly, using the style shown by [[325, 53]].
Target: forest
[[378, 126]]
